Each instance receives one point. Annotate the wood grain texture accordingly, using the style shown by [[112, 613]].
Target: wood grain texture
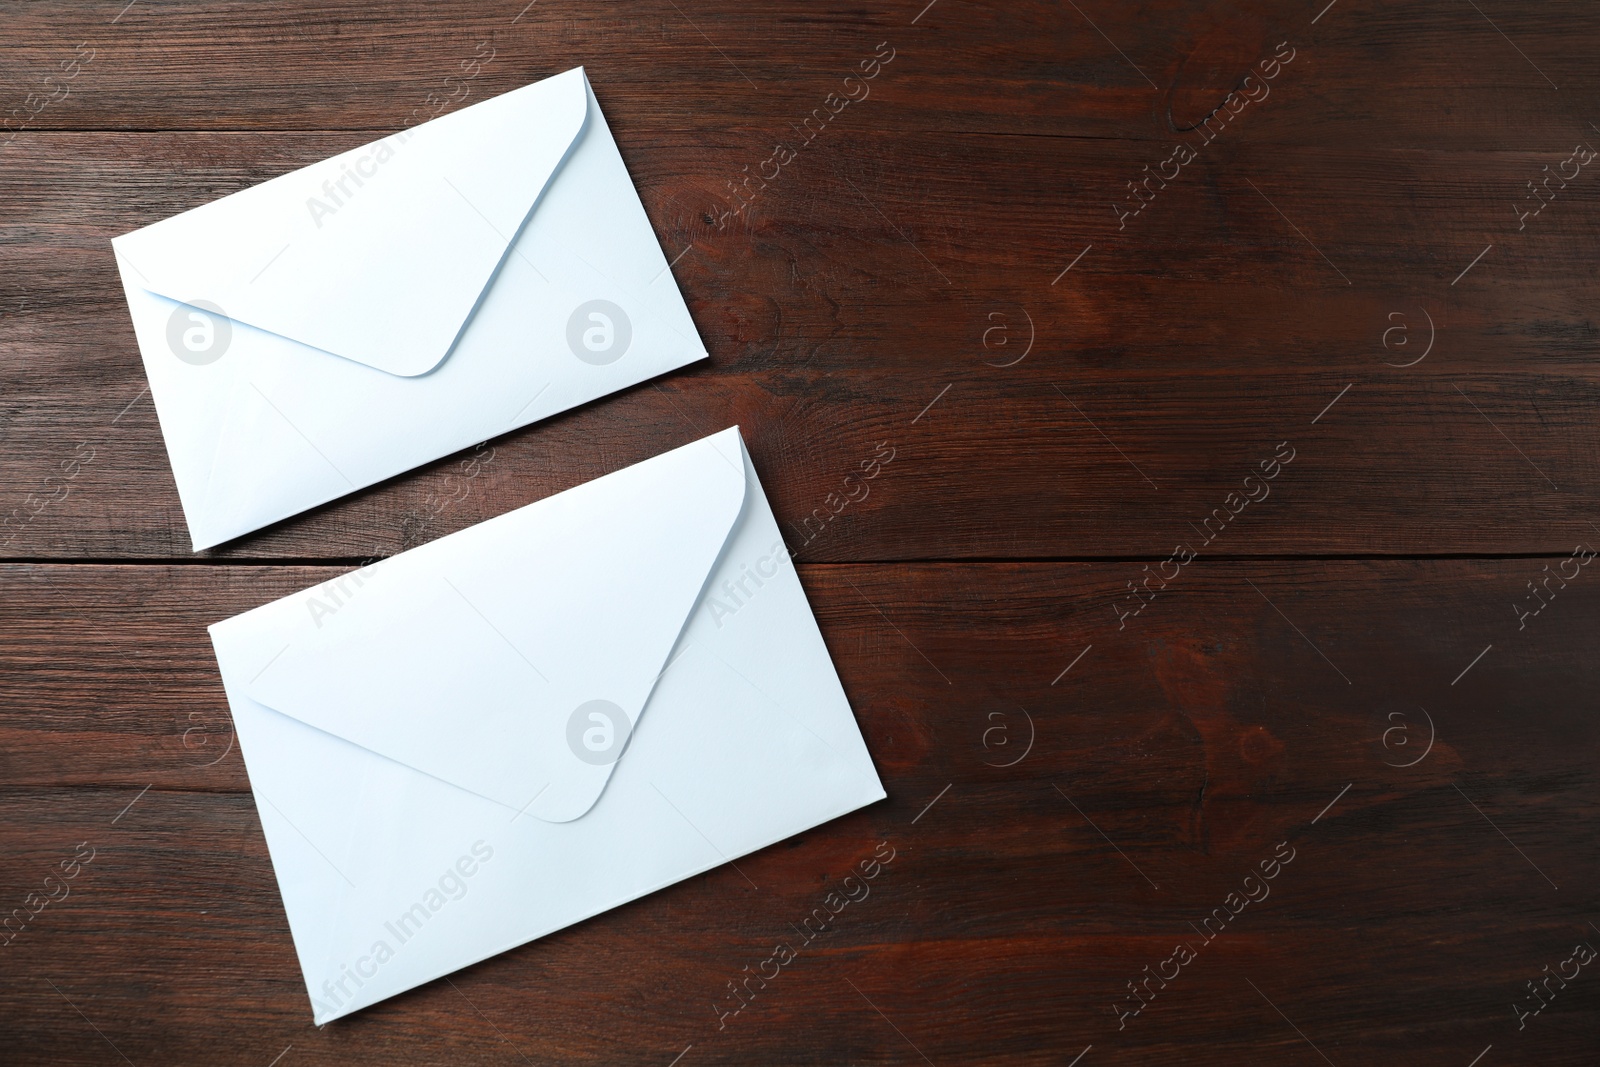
[[1169, 762], [1188, 347], [1073, 786]]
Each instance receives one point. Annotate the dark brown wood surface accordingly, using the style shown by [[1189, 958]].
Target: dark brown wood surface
[[1341, 674]]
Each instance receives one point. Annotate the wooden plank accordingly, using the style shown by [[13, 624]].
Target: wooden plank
[[1167, 763], [1127, 469], [1185, 346], [1436, 71]]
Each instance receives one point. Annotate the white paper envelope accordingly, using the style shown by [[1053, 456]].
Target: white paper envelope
[[348, 321], [520, 725]]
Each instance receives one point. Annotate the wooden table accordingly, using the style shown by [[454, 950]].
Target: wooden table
[[1318, 786]]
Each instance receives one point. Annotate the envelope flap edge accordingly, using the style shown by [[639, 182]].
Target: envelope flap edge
[[282, 265], [562, 809], [333, 681]]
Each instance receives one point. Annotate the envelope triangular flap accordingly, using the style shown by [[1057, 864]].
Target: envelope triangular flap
[[381, 253], [479, 658]]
